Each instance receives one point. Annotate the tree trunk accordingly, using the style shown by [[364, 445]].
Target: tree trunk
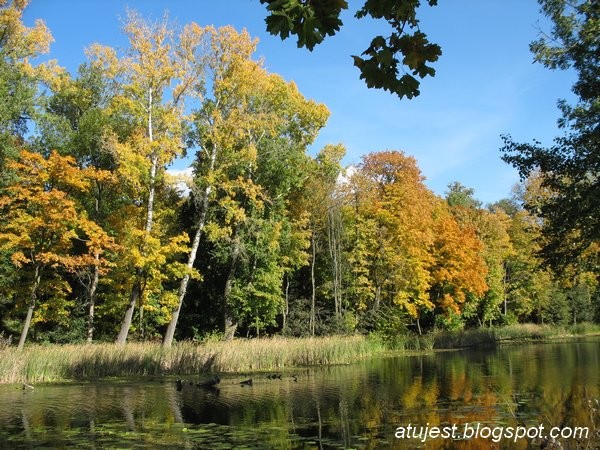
[[286, 306], [312, 281], [377, 301], [153, 168], [126, 323], [32, 300], [92, 298], [136, 291], [334, 252], [141, 331], [170, 333], [230, 324], [151, 194], [504, 288]]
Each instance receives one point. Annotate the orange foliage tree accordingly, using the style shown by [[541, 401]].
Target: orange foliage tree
[[42, 226], [458, 268], [393, 230]]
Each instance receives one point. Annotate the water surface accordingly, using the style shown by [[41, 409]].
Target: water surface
[[356, 406]]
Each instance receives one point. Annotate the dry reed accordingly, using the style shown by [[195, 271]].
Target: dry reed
[[50, 363]]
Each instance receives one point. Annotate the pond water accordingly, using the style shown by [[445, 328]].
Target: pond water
[[369, 404]]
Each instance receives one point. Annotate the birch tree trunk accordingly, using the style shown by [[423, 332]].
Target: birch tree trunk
[[286, 306], [133, 300], [334, 240], [136, 291], [312, 281], [170, 332], [31, 307]]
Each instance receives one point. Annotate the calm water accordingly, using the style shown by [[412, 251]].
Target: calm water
[[356, 406]]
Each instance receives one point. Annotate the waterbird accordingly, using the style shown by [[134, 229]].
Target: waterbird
[[179, 384], [247, 382], [209, 383]]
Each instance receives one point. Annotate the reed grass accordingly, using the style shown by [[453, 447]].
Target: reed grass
[[51, 363]]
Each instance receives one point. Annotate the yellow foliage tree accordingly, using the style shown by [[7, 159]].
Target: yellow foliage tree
[[19, 44], [243, 107], [159, 71]]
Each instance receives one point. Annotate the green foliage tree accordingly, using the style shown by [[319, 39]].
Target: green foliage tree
[[570, 167], [382, 65], [320, 202], [462, 196]]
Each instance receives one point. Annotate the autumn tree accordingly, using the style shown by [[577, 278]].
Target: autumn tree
[[458, 270], [529, 287], [19, 45], [226, 53], [75, 121], [492, 230], [158, 72], [490, 227], [41, 225], [396, 217], [252, 131]]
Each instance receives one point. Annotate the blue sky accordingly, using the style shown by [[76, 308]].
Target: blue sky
[[486, 83]]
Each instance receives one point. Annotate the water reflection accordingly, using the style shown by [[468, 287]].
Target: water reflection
[[357, 406]]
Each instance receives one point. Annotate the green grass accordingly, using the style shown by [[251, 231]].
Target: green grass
[[479, 337], [51, 363]]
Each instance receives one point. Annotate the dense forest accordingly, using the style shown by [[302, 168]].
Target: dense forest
[[99, 241]]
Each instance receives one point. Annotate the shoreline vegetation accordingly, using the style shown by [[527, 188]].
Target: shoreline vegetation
[[84, 362]]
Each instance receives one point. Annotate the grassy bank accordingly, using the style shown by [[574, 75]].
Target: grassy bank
[[479, 337], [486, 337], [48, 363]]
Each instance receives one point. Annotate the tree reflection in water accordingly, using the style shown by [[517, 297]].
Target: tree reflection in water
[[356, 406]]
